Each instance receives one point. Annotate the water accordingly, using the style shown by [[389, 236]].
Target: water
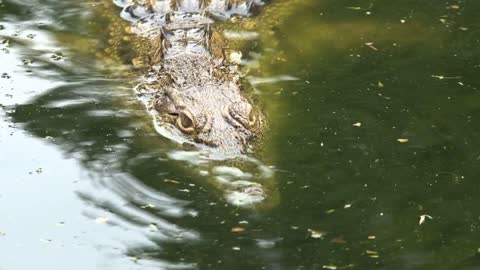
[[87, 183]]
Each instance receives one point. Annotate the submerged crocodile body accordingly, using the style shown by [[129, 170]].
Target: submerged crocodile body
[[191, 85]]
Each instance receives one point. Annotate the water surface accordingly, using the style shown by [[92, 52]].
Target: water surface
[[372, 144]]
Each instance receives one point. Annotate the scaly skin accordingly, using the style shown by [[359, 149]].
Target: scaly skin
[[191, 85], [191, 81], [117, 43], [121, 43]]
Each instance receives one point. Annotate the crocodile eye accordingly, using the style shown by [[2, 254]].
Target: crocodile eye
[[185, 122], [243, 113]]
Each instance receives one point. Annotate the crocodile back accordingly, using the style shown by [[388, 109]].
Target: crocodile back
[[182, 25], [192, 86], [221, 9]]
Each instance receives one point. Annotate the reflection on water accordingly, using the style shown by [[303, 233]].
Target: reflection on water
[[136, 188], [73, 108], [128, 164]]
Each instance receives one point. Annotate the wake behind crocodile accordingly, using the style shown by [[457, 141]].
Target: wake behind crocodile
[[191, 87]]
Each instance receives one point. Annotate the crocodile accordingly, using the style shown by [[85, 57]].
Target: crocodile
[[192, 82]]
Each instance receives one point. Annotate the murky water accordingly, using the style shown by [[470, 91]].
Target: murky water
[[370, 158]]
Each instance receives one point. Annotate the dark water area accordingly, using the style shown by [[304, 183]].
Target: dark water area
[[370, 157]]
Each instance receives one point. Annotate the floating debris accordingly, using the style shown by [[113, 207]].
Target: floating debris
[[370, 45], [153, 227], [357, 124], [454, 7], [147, 206], [316, 234], [402, 140], [330, 266], [101, 219], [238, 229], [360, 8], [423, 218], [171, 181], [372, 254], [441, 77]]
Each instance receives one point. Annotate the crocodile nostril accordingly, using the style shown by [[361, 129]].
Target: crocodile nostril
[[204, 123]]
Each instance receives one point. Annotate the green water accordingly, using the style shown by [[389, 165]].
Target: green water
[[86, 182]]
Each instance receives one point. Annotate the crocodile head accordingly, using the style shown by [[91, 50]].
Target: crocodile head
[[214, 114]]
